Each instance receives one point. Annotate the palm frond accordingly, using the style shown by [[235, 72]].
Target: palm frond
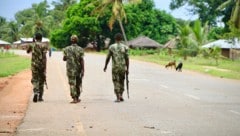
[[224, 5], [111, 22]]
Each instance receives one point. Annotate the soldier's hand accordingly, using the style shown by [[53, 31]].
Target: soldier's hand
[[64, 58], [105, 68], [82, 74]]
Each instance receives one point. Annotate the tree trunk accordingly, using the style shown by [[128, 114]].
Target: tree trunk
[[123, 31]]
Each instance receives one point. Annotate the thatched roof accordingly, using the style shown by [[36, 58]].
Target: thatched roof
[[143, 42], [171, 43]]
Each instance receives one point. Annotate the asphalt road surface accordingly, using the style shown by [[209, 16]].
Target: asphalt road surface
[[162, 102]]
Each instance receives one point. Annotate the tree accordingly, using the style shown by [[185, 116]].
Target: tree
[[144, 19], [214, 52], [205, 9], [200, 32], [13, 32], [185, 42], [63, 5], [35, 19], [3, 23], [80, 22], [234, 21], [118, 12], [59, 12]]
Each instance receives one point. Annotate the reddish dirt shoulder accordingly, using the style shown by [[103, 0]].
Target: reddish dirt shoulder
[[14, 97]]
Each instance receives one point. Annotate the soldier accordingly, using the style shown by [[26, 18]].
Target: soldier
[[73, 55], [120, 64], [38, 66]]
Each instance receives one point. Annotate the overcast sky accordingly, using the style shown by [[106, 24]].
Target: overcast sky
[[8, 8]]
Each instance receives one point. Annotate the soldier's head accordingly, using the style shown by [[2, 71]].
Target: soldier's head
[[118, 37], [38, 37], [74, 38]]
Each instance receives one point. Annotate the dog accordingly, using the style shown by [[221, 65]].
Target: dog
[[171, 64], [179, 67]]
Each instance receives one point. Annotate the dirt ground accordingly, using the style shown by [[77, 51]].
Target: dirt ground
[[15, 92]]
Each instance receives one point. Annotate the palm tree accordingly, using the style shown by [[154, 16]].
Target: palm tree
[[234, 21], [199, 32], [186, 42], [63, 4], [13, 31], [118, 12], [235, 15], [40, 13]]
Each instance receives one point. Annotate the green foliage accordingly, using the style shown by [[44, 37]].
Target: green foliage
[[80, 22], [216, 33], [143, 19], [60, 38], [214, 53], [142, 52], [205, 9], [200, 33], [12, 64], [225, 68]]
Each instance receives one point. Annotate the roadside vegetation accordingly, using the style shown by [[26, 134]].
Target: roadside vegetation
[[11, 64], [226, 68], [95, 21]]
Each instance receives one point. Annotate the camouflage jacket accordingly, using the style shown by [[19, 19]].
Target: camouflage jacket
[[73, 54], [39, 59], [119, 53]]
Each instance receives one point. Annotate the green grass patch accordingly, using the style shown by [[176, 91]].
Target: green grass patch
[[226, 68], [11, 64]]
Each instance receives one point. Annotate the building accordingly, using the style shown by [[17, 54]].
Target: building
[[144, 42], [4, 44], [229, 48]]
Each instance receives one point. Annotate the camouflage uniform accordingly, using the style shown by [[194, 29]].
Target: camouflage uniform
[[73, 54], [118, 52], [38, 67]]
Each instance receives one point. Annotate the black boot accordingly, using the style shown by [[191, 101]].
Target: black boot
[[35, 98], [118, 98], [40, 99]]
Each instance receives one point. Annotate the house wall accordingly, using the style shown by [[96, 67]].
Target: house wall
[[226, 52], [231, 53], [234, 53]]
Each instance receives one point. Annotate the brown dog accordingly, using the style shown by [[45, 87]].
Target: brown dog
[[171, 64]]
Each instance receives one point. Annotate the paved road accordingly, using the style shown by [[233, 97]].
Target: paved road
[[162, 103]]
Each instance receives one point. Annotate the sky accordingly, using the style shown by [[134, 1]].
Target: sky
[[8, 8]]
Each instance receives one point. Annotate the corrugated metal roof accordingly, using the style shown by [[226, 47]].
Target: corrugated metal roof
[[17, 42], [224, 44], [4, 42], [29, 40]]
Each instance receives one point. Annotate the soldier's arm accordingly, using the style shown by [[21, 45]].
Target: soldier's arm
[[64, 55], [107, 60], [29, 49], [83, 67]]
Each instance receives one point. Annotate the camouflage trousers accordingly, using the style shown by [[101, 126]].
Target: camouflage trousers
[[38, 79], [75, 82], [118, 78]]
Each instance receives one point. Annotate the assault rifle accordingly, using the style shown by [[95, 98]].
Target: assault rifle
[[127, 83], [45, 80]]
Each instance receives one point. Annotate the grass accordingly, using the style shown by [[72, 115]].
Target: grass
[[226, 68], [11, 64]]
